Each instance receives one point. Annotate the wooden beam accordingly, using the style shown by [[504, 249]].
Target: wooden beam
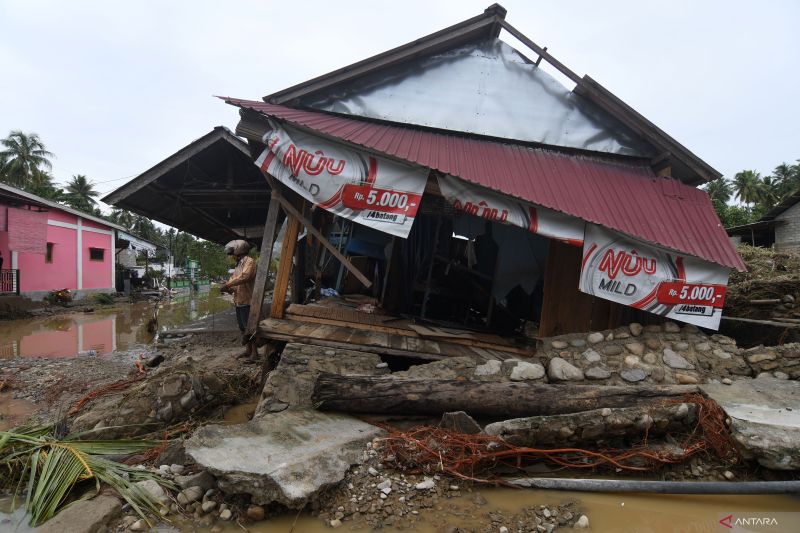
[[293, 226], [292, 211], [262, 270]]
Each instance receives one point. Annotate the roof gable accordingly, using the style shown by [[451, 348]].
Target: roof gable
[[485, 88]]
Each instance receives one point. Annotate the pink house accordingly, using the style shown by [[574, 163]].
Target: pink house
[[46, 246]]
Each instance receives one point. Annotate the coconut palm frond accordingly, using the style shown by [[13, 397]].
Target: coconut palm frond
[[47, 470]]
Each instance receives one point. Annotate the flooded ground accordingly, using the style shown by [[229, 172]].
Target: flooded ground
[[618, 513], [119, 329]]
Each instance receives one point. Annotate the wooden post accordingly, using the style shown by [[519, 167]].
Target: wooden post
[[293, 226], [262, 270]]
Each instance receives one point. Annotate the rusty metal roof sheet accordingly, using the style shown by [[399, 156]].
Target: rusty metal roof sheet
[[623, 195]]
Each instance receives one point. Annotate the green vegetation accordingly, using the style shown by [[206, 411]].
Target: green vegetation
[[104, 298], [49, 469], [758, 194]]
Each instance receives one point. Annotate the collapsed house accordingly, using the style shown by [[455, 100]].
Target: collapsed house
[[463, 189]]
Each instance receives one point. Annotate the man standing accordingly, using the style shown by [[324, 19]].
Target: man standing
[[241, 286]]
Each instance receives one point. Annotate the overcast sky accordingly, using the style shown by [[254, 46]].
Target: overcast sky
[[114, 87]]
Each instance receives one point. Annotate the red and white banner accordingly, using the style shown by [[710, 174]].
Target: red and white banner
[[361, 187], [501, 208], [653, 279]]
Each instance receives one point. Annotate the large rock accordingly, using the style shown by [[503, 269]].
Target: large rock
[[560, 370], [765, 419], [674, 360], [84, 516], [285, 457], [524, 371]]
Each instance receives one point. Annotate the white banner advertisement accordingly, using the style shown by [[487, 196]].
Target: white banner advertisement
[[501, 208], [626, 271], [361, 187]]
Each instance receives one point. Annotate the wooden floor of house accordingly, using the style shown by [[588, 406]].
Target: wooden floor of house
[[337, 326]]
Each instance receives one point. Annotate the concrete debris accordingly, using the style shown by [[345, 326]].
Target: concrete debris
[[461, 422], [84, 516], [764, 419], [285, 457], [292, 382]]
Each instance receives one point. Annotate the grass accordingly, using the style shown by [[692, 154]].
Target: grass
[[49, 471]]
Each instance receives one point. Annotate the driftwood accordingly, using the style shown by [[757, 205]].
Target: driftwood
[[388, 395], [768, 301]]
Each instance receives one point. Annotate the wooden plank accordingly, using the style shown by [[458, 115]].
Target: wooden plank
[[775, 322], [451, 333], [290, 209], [285, 266], [262, 269]]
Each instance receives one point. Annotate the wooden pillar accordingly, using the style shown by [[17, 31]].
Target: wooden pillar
[[262, 269], [293, 226]]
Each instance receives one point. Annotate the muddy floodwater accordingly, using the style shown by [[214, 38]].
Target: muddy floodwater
[[615, 513], [120, 329]]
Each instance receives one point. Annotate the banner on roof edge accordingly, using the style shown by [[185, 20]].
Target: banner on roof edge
[[675, 286], [505, 209], [359, 186]]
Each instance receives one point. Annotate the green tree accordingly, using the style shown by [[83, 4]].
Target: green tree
[[80, 194], [122, 217], [769, 192], [43, 185], [23, 156], [747, 186], [719, 190], [787, 178]]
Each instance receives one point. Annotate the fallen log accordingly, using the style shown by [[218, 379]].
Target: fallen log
[[500, 399]]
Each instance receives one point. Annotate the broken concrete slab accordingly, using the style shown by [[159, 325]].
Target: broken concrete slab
[[765, 419], [460, 422], [292, 381], [84, 516], [285, 457]]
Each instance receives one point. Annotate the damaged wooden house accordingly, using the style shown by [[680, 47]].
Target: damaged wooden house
[[460, 196]]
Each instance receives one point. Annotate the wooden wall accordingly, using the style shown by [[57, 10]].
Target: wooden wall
[[565, 309]]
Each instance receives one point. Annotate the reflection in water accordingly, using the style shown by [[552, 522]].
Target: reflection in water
[[102, 332]]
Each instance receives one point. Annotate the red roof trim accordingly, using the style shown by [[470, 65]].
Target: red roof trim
[[655, 209]]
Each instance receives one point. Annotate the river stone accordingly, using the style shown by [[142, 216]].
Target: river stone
[[632, 374], [190, 495], [650, 358], [631, 360], [152, 487], [658, 374], [765, 419], [672, 327], [594, 338], [577, 343], [559, 345], [489, 368], [685, 379], [673, 360], [758, 357], [722, 354], [560, 370], [702, 347], [286, 457], [636, 329], [653, 344], [524, 371], [636, 348], [597, 372], [612, 349], [680, 346], [592, 356]]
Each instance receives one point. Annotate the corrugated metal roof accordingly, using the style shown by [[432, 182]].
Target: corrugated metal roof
[[622, 195]]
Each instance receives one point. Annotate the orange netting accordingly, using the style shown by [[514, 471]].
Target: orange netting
[[102, 391], [430, 450]]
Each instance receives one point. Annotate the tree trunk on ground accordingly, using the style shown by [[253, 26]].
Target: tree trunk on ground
[[500, 399]]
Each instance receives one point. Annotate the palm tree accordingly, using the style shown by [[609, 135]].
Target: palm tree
[[23, 156], [122, 217], [787, 178], [719, 190], [769, 192], [42, 184], [746, 185], [80, 193]]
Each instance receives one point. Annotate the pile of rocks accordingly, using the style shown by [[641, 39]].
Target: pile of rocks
[[375, 496], [781, 362]]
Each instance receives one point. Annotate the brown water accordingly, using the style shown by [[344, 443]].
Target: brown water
[[641, 513], [14, 412], [120, 329]]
